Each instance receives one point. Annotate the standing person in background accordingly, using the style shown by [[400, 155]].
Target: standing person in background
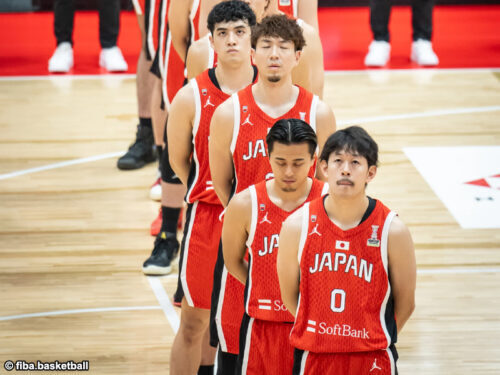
[[421, 49], [142, 151], [350, 262], [110, 58], [252, 222]]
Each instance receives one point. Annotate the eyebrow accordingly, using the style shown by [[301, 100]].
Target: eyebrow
[[299, 159]]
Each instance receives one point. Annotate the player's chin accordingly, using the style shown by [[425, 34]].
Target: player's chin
[[274, 78]]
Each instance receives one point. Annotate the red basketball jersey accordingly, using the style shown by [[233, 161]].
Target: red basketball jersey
[[345, 301], [289, 7], [251, 125], [173, 67], [207, 98], [262, 294]]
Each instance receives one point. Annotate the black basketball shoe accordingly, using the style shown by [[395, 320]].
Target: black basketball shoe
[[165, 251], [141, 152]]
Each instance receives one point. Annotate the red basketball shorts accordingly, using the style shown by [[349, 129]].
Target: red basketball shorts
[[200, 244], [264, 348], [379, 362]]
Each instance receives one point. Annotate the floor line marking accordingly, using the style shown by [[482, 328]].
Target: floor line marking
[[406, 116], [60, 165], [458, 270], [442, 112], [78, 311], [164, 300]]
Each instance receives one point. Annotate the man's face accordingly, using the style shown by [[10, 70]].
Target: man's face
[[232, 41], [275, 58], [347, 173], [290, 165]]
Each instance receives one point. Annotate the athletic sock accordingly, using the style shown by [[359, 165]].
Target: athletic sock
[[170, 217], [206, 370], [147, 122], [159, 151]]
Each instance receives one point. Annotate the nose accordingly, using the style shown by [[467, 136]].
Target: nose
[[289, 171], [231, 38], [346, 171], [274, 51]]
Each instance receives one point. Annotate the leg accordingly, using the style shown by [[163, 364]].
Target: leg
[[185, 355], [109, 22], [64, 12], [142, 150], [422, 19], [207, 351], [159, 115], [379, 19]]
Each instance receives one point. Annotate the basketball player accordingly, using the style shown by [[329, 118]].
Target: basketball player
[[253, 220], [238, 156], [188, 133], [309, 73], [350, 261]]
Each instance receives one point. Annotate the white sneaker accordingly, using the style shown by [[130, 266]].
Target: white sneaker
[[155, 191], [422, 53], [378, 53], [112, 60], [62, 59]]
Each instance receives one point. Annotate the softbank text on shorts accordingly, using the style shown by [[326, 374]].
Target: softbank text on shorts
[[22, 365]]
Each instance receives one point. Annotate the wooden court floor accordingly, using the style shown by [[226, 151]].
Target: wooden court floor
[[74, 233]]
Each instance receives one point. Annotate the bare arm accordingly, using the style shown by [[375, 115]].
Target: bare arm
[[313, 57], [402, 270], [325, 126], [178, 23], [235, 234], [180, 132], [287, 262], [308, 11], [197, 58], [219, 149]]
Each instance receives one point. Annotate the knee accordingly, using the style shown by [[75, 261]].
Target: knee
[[192, 330]]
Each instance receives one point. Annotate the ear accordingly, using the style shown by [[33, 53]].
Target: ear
[[323, 166], [298, 54], [252, 55], [372, 171], [211, 39]]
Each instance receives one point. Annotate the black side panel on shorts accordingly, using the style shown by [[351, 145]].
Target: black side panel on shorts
[[245, 322], [179, 293], [226, 363], [297, 359], [219, 266], [167, 173]]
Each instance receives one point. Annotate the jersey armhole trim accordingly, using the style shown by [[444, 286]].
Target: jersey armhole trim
[[236, 123]]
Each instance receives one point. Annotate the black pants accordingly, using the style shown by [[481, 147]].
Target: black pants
[[421, 19], [109, 21]]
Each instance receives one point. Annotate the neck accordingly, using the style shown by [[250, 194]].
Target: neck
[[346, 213], [288, 200], [234, 77], [274, 93]]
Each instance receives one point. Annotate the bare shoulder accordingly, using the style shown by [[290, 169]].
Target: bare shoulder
[[398, 229], [310, 33], [224, 112], [239, 209], [294, 222], [399, 241], [197, 57], [184, 99], [323, 109]]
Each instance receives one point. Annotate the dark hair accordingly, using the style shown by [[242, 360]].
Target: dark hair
[[230, 11], [279, 26], [292, 131], [353, 139]]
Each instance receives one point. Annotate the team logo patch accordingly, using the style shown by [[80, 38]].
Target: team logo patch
[[466, 179], [374, 366], [313, 218], [204, 92], [284, 3], [265, 219], [342, 245], [302, 116], [315, 231], [373, 240], [262, 207], [311, 326], [245, 109]]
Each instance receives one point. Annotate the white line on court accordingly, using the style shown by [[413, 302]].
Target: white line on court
[[458, 270], [172, 317], [165, 303], [60, 165], [80, 77], [404, 116], [78, 311]]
